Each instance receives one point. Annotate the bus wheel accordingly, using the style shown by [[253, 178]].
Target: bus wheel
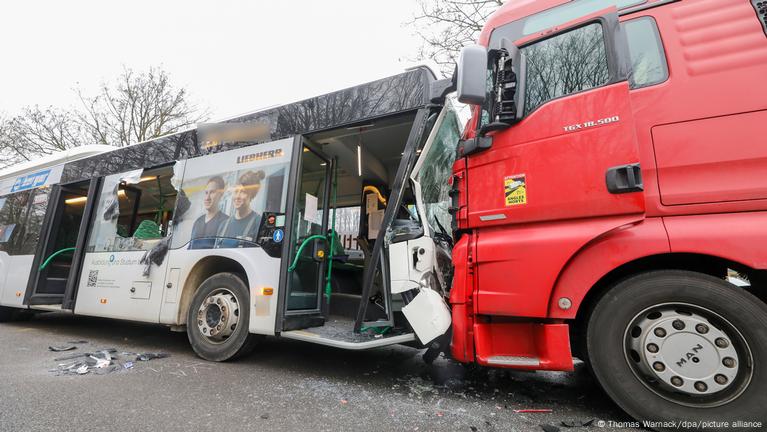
[[678, 345], [217, 320], [8, 314]]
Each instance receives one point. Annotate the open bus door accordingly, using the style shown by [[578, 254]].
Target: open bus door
[[302, 276], [58, 257]]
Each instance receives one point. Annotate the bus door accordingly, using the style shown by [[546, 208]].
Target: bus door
[[303, 272], [124, 257], [55, 268]]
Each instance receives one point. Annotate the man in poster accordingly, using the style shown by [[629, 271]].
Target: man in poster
[[209, 224], [245, 221]]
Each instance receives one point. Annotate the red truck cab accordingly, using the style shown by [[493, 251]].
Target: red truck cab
[[611, 200]]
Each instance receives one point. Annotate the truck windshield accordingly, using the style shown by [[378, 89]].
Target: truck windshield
[[435, 169]]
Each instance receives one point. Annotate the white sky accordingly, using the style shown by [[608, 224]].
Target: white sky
[[233, 56]]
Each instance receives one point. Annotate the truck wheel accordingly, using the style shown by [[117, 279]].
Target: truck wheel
[[217, 320], [678, 345]]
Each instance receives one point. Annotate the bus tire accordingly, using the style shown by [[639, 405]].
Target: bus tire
[[218, 318], [674, 345], [8, 314]]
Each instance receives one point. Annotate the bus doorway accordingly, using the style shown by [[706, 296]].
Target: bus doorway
[[307, 247], [55, 268]]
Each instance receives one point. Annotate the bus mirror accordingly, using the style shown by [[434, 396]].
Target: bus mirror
[[404, 230], [472, 75]]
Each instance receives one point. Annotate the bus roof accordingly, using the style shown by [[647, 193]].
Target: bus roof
[[58, 158], [399, 93]]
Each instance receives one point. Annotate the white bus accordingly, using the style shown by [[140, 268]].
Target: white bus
[[324, 220]]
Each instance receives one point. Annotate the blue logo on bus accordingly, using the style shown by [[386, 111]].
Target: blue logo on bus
[[30, 181], [278, 236]]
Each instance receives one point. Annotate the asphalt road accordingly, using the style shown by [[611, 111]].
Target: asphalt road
[[284, 385]]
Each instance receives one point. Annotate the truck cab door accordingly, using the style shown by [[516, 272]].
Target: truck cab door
[[567, 169], [572, 152]]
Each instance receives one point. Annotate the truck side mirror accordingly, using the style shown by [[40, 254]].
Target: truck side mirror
[[472, 75]]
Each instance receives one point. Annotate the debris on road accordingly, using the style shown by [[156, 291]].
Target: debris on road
[[101, 362], [549, 428], [577, 423], [150, 356], [527, 411], [62, 348]]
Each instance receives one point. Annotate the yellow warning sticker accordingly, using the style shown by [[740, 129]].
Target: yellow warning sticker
[[515, 189]]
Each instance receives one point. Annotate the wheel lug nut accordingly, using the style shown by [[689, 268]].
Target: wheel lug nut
[[660, 332], [677, 381], [678, 324], [729, 362], [652, 348], [722, 342], [720, 379], [701, 328], [701, 386], [658, 366]]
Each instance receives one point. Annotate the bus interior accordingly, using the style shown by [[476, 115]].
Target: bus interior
[[367, 157]]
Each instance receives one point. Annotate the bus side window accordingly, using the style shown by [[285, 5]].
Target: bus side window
[[27, 243], [134, 210], [13, 213]]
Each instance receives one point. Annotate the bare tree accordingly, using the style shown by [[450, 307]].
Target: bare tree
[[448, 25], [37, 132], [139, 107]]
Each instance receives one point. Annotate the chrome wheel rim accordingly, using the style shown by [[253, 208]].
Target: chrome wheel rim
[[218, 315], [688, 354]]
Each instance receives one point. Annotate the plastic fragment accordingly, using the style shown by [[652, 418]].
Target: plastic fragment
[[82, 370], [151, 356], [577, 423], [128, 365], [62, 348]]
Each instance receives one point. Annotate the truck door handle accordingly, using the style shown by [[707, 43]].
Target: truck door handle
[[624, 179]]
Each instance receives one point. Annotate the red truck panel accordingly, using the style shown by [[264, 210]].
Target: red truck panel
[[739, 237], [517, 265], [712, 160], [603, 255]]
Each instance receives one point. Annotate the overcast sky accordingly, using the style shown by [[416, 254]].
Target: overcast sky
[[233, 56]]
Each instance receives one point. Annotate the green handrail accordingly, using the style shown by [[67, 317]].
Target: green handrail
[[53, 255], [330, 238], [301, 249]]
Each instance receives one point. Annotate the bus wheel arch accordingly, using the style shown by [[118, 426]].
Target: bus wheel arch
[[202, 270]]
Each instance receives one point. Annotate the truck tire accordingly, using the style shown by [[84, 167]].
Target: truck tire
[[218, 317], [671, 346]]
